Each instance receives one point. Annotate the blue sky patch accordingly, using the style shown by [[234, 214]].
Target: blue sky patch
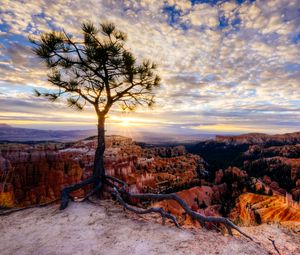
[[173, 14]]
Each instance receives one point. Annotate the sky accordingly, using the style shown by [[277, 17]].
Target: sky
[[226, 66]]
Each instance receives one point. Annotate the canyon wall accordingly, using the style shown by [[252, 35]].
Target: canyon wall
[[259, 138], [31, 174], [246, 188]]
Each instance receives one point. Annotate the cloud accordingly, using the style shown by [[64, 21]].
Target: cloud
[[204, 15], [226, 63]]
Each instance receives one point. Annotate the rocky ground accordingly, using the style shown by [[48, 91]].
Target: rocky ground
[[104, 228]]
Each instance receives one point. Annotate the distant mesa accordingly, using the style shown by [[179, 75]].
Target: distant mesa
[[14, 134], [260, 138], [3, 125]]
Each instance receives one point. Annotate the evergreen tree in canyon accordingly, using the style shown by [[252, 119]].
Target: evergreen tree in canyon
[[97, 69]]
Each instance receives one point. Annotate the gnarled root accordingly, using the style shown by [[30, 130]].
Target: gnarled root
[[274, 245], [65, 194], [13, 210], [163, 214], [119, 191]]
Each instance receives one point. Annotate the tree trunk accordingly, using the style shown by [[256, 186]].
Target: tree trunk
[[99, 171]]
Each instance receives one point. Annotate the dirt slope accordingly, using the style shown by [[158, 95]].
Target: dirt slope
[[85, 228]]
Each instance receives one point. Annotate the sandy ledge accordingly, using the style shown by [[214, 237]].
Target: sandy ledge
[[85, 228]]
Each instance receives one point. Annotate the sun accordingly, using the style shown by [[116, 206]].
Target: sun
[[125, 122]]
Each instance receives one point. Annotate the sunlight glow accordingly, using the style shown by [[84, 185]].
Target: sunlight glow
[[226, 128], [130, 121], [125, 122]]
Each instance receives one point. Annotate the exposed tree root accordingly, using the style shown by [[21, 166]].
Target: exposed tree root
[[273, 242], [13, 210], [136, 210], [119, 191], [65, 194], [92, 192], [194, 215]]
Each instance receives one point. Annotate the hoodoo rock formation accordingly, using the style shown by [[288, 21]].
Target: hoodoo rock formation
[[253, 209], [32, 174], [250, 183]]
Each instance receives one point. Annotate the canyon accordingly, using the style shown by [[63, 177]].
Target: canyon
[[252, 181], [34, 174]]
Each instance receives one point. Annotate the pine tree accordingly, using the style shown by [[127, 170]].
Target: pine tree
[[96, 69]]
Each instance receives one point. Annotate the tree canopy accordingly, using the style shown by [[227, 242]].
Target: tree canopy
[[96, 68]]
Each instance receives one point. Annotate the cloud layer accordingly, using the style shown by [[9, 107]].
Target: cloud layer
[[229, 66]]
